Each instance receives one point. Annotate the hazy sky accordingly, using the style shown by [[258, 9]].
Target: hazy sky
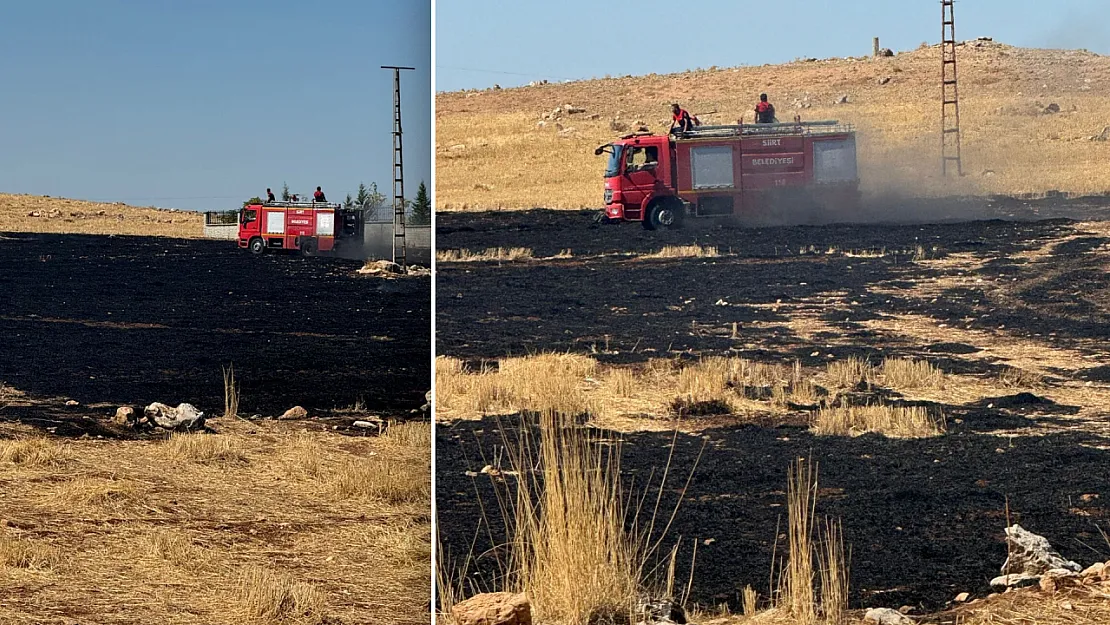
[[483, 42], [201, 104]]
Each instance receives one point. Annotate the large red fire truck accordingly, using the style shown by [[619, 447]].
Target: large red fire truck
[[311, 227], [763, 171]]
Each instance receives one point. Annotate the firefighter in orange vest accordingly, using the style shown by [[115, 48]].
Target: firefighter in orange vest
[[764, 111], [681, 120]]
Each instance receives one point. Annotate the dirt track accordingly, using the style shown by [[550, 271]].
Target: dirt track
[[924, 517], [129, 320]]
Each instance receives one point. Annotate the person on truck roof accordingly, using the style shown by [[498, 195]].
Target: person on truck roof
[[319, 196], [270, 196], [764, 111], [681, 119]]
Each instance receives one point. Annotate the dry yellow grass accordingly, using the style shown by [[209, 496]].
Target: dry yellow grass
[[507, 161], [850, 372], [33, 213], [686, 251], [33, 451], [131, 531], [890, 421], [545, 382], [905, 373], [490, 253]]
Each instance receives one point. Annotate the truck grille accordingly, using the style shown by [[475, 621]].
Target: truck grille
[[608, 196]]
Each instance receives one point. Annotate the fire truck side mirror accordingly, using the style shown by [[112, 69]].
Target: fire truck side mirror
[[601, 149]]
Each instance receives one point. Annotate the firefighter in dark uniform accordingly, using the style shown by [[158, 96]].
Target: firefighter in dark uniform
[[270, 199], [764, 111], [319, 196], [681, 121]]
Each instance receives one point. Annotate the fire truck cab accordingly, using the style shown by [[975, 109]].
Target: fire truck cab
[[311, 227], [745, 170]]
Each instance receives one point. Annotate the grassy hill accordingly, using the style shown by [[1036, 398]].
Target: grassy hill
[[33, 213], [492, 151]]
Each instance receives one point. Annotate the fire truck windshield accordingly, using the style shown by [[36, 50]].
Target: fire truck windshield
[[614, 166]]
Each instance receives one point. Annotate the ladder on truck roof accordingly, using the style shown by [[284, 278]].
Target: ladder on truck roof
[[313, 205], [758, 130]]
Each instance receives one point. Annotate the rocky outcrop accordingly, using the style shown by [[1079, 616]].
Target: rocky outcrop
[[183, 417], [1031, 558], [493, 608]]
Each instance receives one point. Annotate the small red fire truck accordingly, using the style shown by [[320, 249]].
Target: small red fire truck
[[311, 227], [764, 171]]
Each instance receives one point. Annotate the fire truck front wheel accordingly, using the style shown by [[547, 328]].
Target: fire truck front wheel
[[257, 245], [664, 213]]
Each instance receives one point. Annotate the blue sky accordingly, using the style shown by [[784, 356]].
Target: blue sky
[[512, 43], [200, 104]]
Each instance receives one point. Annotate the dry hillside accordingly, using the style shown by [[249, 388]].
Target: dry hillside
[[492, 152], [34, 213]]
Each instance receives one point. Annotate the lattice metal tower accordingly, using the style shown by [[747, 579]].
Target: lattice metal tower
[[399, 256], [950, 92]]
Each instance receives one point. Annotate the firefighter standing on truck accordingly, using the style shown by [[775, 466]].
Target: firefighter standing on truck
[[764, 111], [681, 119], [319, 196]]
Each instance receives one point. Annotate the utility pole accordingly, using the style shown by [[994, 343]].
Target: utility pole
[[950, 93], [398, 171]]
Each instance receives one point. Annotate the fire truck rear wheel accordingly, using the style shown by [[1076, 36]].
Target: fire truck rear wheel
[[257, 245], [664, 214], [308, 247]]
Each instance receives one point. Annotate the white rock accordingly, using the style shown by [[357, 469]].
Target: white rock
[[886, 616], [185, 416]]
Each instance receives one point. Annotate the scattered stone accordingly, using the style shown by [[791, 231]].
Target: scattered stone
[[842, 100], [962, 597], [1030, 554], [372, 422], [493, 608], [1057, 579], [541, 124], [125, 416], [34, 214], [884, 80], [886, 616], [1098, 570], [886, 52], [1102, 136], [296, 412], [183, 417], [573, 110], [659, 612], [1051, 109], [73, 402]]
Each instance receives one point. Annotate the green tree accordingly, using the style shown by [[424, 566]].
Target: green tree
[[421, 206], [369, 199], [285, 195], [349, 202], [253, 200]]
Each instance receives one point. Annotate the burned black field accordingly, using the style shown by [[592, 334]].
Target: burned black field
[[923, 517], [107, 321]]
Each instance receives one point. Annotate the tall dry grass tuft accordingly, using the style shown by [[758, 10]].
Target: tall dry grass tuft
[[21, 553], [796, 585], [303, 454], [686, 251], [489, 254], [412, 436], [833, 574], [571, 551], [850, 372], [890, 421], [270, 597], [206, 449], [231, 393], [749, 600], [905, 373], [33, 452], [798, 597], [621, 381]]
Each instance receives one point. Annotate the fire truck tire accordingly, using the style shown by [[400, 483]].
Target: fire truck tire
[[257, 245], [308, 247], [664, 213]]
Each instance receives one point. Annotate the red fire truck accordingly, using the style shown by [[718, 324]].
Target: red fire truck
[[311, 227], [762, 171]]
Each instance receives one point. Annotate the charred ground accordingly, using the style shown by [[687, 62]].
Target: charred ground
[[109, 320], [923, 517]]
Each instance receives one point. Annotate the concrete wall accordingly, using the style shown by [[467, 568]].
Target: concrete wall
[[222, 231], [377, 242]]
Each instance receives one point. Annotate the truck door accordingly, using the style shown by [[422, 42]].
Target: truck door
[[641, 173]]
